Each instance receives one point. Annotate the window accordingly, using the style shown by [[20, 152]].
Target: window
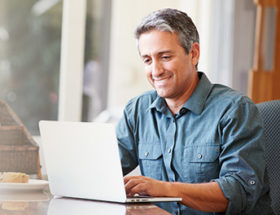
[[30, 34], [96, 68]]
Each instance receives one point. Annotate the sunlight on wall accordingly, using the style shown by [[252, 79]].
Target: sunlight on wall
[[127, 78], [220, 41]]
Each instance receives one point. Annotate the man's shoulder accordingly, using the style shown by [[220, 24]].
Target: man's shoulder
[[225, 93], [226, 97], [218, 96], [142, 101]]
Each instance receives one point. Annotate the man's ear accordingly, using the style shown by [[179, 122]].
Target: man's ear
[[195, 50]]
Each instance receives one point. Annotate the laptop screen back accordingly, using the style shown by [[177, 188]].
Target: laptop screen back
[[82, 160]]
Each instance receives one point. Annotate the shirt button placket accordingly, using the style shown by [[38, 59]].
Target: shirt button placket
[[170, 138]]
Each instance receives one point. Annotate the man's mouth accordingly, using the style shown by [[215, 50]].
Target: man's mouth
[[161, 82]]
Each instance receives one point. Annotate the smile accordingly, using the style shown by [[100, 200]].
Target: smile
[[160, 82]]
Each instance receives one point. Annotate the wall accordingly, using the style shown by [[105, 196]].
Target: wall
[[127, 77], [226, 31], [244, 35]]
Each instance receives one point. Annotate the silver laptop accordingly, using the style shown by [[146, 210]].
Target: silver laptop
[[82, 161]]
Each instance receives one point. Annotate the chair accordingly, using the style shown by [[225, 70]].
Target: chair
[[18, 150], [270, 112]]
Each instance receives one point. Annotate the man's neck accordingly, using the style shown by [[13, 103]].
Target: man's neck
[[175, 105]]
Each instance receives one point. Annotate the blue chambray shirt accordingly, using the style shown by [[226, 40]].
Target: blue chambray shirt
[[216, 136]]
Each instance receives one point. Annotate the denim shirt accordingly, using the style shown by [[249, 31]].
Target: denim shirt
[[216, 136]]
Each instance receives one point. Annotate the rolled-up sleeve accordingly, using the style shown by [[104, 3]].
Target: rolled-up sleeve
[[242, 175]]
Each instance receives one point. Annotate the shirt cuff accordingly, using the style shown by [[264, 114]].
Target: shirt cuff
[[234, 193]]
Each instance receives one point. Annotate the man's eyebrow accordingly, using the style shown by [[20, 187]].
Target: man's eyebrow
[[165, 52], [158, 53]]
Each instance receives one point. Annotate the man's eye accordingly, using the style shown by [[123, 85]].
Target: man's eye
[[166, 57], [146, 60]]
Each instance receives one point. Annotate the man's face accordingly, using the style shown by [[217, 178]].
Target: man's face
[[168, 68]]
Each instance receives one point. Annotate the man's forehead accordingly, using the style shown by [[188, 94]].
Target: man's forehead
[[157, 42]]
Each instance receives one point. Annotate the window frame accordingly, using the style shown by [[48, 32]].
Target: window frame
[[72, 60]]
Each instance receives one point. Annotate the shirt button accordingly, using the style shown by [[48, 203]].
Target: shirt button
[[199, 156], [146, 154], [252, 182], [169, 150]]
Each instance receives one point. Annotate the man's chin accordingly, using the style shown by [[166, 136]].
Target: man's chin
[[162, 94]]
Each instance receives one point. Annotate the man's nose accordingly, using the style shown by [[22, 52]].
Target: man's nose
[[157, 69]]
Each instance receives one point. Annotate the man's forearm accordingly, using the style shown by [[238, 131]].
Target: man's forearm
[[205, 196]]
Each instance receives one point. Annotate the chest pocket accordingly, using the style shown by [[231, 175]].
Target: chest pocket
[[202, 162], [150, 160]]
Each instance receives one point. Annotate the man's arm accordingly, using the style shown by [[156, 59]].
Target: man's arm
[[206, 197]]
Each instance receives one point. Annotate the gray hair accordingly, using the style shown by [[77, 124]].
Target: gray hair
[[173, 21]]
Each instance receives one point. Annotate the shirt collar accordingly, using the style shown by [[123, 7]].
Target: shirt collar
[[195, 103], [159, 104], [199, 96]]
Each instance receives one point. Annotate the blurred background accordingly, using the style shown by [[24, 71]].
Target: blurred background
[[78, 61]]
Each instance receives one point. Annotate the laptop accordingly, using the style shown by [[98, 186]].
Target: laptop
[[82, 161]]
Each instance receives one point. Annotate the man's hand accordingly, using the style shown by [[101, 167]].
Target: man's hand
[[206, 197], [144, 186]]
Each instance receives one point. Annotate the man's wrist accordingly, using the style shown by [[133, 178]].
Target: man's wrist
[[171, 189]]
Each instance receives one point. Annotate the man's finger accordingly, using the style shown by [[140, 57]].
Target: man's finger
[[138, 189], [132, 183]]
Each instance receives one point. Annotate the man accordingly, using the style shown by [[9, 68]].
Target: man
[[192, 139]]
